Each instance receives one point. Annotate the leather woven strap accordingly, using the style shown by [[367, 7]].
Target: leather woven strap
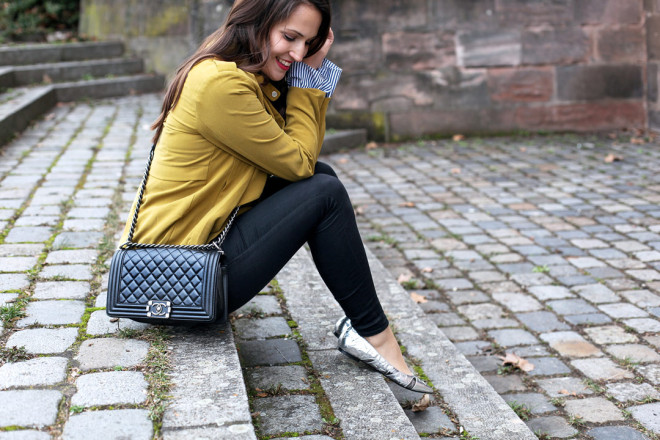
[[214, 245]]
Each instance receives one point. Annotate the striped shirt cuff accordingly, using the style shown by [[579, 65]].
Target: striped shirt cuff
[[325, 78]]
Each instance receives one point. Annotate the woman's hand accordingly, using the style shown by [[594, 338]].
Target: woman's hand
[[316, 60]]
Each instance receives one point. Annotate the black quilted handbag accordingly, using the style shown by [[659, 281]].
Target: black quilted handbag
[[168, 284]]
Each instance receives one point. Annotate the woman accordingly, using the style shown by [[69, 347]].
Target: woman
[[242, 124]]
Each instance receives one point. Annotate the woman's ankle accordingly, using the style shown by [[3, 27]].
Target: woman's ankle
[[387, 346]]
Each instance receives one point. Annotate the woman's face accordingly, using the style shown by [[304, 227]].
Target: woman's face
[[289, 40]]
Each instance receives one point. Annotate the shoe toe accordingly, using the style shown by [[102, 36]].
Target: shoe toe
[[420, 387]]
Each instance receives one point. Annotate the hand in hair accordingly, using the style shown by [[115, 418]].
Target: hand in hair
[[316, 60]]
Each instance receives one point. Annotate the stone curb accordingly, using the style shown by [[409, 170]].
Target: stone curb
[[336, 141], [480, 410], [48, 53]]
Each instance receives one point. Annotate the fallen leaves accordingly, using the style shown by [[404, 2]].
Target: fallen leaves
[[419, 299], [403, 278], [613, 158], [371, 146], [455, 171], [422, 404], [517, 362], [458, 137], [407, 204]]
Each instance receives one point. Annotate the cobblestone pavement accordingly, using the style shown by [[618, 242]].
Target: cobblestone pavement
[[537, 247], [61, 197]]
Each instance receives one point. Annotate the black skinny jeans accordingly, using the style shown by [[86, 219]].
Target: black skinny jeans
[[318, 211]]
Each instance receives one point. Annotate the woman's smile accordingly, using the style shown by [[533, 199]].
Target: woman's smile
[[284, 65]]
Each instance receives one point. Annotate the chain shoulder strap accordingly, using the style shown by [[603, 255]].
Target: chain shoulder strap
[[214, 245]]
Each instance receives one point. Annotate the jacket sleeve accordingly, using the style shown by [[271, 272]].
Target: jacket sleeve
[[231, 115]]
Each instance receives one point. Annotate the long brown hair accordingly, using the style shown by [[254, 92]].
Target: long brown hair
[[243, 39]]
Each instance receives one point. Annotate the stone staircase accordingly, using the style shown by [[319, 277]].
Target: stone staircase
[[34, 77], [295, 381]]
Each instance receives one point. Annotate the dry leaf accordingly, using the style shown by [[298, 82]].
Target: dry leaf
[[458, 137], [343, 160], [371, 146], [407, 204], [359, 210], [47, 79], [114, 319], [262, 394], [455, 171], [427, 270], [567, 393], [403, 278], [637, 141], [613, 158], [422, 404], [517, 362], [419, 299], [523, 149]]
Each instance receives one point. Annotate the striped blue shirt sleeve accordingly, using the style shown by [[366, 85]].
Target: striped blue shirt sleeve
[[325, 78]]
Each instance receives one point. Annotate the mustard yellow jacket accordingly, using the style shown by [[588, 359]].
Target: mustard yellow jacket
[[219, 144]]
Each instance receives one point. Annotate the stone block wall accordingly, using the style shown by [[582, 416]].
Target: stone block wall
[[439, 67], [652, 40]]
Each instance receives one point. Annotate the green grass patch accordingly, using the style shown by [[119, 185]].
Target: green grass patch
[[14, 354], [10, 312], [521, 410]]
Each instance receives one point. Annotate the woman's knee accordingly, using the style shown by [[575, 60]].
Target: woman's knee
[[324, 168], [325, 186]]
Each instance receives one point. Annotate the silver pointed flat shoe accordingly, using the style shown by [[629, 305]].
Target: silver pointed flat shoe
[[339, 325], [356, 347]]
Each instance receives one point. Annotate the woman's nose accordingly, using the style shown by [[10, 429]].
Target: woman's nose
[[298, 53]]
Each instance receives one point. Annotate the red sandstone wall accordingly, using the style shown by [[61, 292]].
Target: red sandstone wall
[[432, 67]]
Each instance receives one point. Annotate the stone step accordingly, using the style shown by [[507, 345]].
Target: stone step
[[479, 409], [20, 55], [69, 71], [209, 398], [361, 399], [109, 87], [20, 106]]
